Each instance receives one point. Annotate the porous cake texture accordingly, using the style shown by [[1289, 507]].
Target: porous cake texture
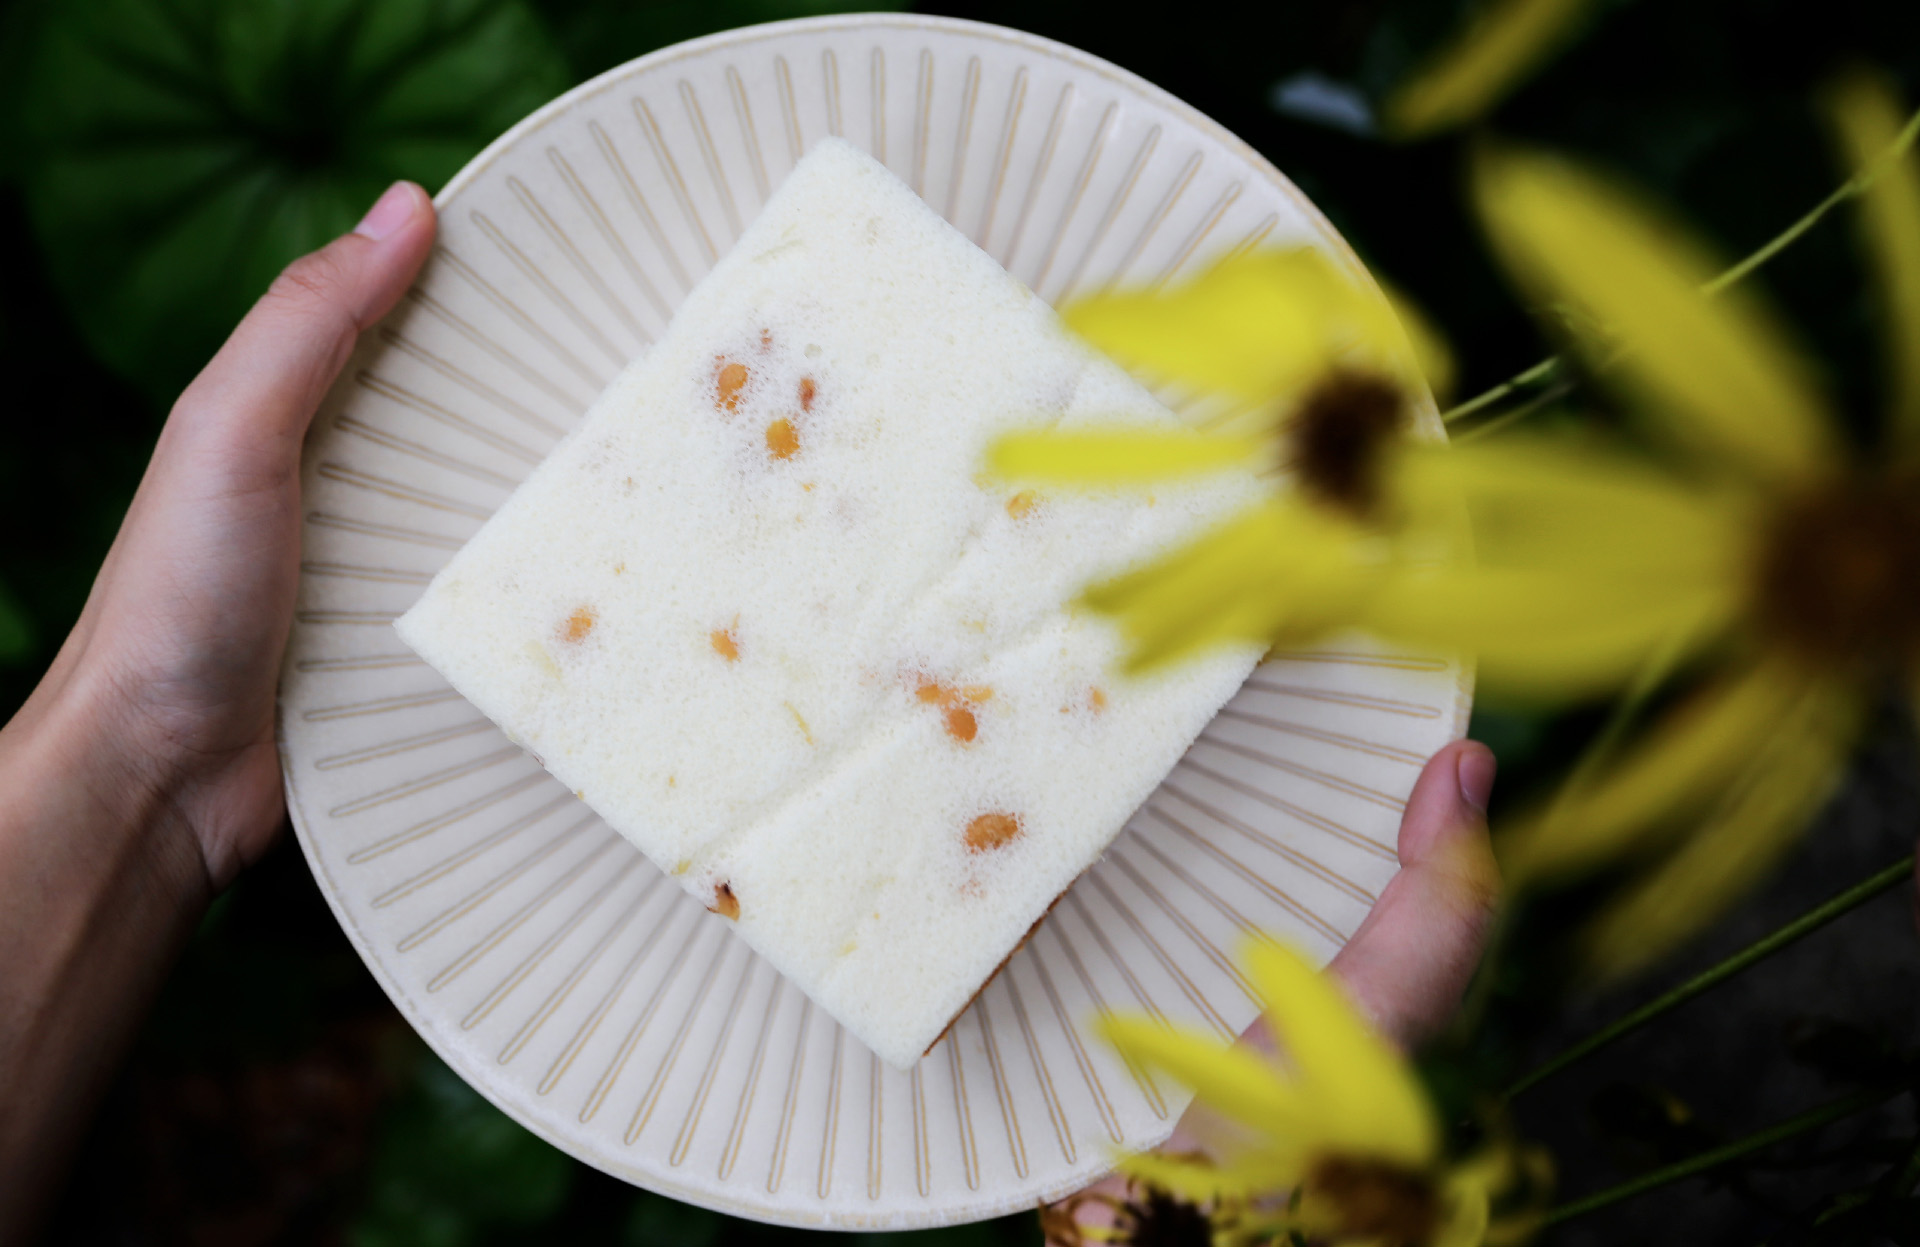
[[765, 614]]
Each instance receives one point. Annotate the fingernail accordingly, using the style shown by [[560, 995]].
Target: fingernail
[[1474, 772], [389, 212]]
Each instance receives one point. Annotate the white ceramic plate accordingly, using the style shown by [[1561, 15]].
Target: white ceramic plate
[[537, 952]]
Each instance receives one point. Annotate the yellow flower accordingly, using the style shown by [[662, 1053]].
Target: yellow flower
[[1507, 41], [1788, 565], [1338, 1142], [1314, 371]]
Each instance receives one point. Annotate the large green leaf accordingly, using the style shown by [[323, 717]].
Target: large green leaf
[[599, 34], [178, 153]]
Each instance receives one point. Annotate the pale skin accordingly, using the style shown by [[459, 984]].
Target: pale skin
[[142, 775]]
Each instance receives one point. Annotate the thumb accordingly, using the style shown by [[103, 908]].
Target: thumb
[[260, 390], [1409, 962]]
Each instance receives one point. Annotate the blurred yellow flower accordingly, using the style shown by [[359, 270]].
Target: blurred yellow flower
[[1792, 566], [1337, 1141], [1507, 41]]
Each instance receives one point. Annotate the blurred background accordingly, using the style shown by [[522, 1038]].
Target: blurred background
[[161, 159]]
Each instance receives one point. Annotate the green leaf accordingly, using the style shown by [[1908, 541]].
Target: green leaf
[[16, 630], [449, 1167], [598, 35], [178, 153]]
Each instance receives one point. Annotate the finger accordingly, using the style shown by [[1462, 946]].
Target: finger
[[1409, 962], [261, 388]]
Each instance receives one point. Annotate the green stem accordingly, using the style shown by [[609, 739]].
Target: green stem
[[1812, 1119], [1856, 185], [1805, 924]]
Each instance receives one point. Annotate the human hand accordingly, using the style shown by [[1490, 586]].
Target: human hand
[[180, 643], [142, 774], [1410, 960]]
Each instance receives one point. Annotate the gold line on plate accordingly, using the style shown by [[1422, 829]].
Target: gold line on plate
[[704, 138], [466, 853], [1057, 1115], [488, 346], [392, 532], [1009, 129], [380, 705], [922, 1162], [1246, 925], [588, 327], [691, 1124], [962, 1111], [564, 988], [368, 662], [776, 1171], [830, 80], [373, 575], [353, 478], [670, 170], [875, 1100], [1155, 220], [1072, 1034], [736, 1132], [603, 223], [432, 779], [472, 384], [1312, 774], [922, 115], [1199, 234], [969, 101], [1205, 945], [387, 441], [650, 1099], [611, 1075], [591, 1023], [1338, 830], [419, 740], [519, 918], [1167, 962], [789, 113], [420, 830], [528, 964], [491, 887], [638, 202], [877, 77], [1254, 237], [1267, 888], [743, 113], [519, 317], [1047, 147], [1115, 205], [830, 1129], [444, 415], [1340, 739], [1091, 161], [1149, 1090], [1009, 1116]]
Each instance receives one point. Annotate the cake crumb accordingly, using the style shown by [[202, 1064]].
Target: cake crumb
[[725, 643], [961, 725], [728, 382], [1096, 700], [725, 903], [992, 831], [579, 624], [807, 390], [783, 440], [805, 731], [1021, 503]]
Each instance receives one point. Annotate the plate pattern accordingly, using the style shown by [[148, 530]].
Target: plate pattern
[[534, 949]]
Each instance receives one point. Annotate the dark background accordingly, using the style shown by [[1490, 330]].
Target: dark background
[[275, 1096]]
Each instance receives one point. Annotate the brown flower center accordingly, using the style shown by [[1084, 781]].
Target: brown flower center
[[1161, 1220], [1337, 435], [1839, 573], [1378, 1201]]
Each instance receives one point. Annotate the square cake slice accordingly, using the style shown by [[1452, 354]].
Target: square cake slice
[[764, 613]]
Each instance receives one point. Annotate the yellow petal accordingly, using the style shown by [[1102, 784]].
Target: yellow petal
[[1465, 1205], [1760, 818], [1235, 1082], [1117, 456], [1367, 1100], [1258, 326], [1664, 780], [1496, 52], [1719, 374], [1878, 141]]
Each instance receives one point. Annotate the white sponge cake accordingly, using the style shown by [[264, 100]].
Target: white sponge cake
[[763, 611]]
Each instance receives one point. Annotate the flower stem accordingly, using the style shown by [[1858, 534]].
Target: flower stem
[[1856, 185], [1812, 1119], [1805, 924]]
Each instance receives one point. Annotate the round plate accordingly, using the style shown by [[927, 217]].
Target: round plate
[[542, 956]]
